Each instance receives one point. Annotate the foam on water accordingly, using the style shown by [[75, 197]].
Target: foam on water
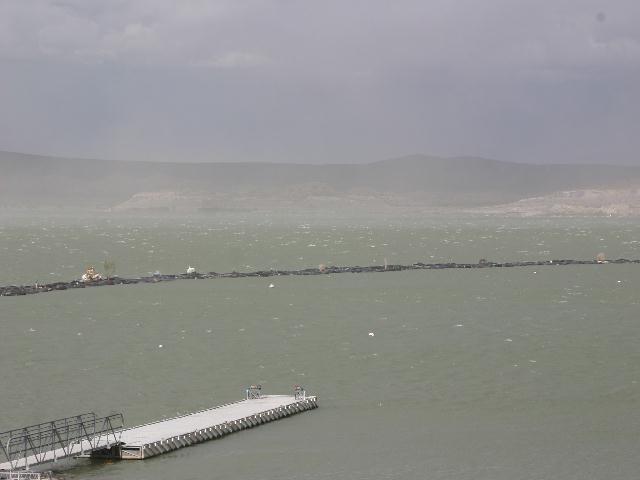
[[457, 357]]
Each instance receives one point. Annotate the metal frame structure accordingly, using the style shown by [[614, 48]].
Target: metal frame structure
[[60, 438], [254, 392], [299, 393]]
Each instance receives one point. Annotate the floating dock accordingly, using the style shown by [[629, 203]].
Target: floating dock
[[161, 437], [85, 436]]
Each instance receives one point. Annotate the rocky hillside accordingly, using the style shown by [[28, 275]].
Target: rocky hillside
[[609, 202]]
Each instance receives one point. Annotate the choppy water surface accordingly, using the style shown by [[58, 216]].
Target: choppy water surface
[[525, 373]]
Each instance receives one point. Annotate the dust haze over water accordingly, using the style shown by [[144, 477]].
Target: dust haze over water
[[276, 134]]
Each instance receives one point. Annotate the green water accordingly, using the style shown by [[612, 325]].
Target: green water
[[528, 373]]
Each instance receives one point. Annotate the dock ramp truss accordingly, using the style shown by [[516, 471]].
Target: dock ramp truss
[[50, 441]]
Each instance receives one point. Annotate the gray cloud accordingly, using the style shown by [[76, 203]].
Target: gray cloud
[[321, 81], [138, 33]]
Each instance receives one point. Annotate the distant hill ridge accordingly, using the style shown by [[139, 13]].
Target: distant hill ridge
[[35, 180]]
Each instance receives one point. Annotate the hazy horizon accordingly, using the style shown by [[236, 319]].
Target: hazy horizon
[[362, 161], [404, 185]]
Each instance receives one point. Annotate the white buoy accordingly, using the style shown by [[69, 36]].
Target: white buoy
[[371, 334], [271, 285], [160, 346]]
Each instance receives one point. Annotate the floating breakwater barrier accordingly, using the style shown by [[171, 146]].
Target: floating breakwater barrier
[[17, 290]]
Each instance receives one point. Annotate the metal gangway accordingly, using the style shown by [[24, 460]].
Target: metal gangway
[[50, 441]]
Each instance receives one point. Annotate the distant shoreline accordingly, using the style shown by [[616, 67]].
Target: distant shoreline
[[408, 184]]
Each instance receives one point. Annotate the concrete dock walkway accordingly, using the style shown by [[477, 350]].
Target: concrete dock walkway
[[160, 437]]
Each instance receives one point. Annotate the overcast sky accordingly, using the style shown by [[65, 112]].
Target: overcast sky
[[322, 81]]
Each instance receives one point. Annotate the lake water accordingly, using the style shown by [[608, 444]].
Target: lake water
[[522, 373]]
